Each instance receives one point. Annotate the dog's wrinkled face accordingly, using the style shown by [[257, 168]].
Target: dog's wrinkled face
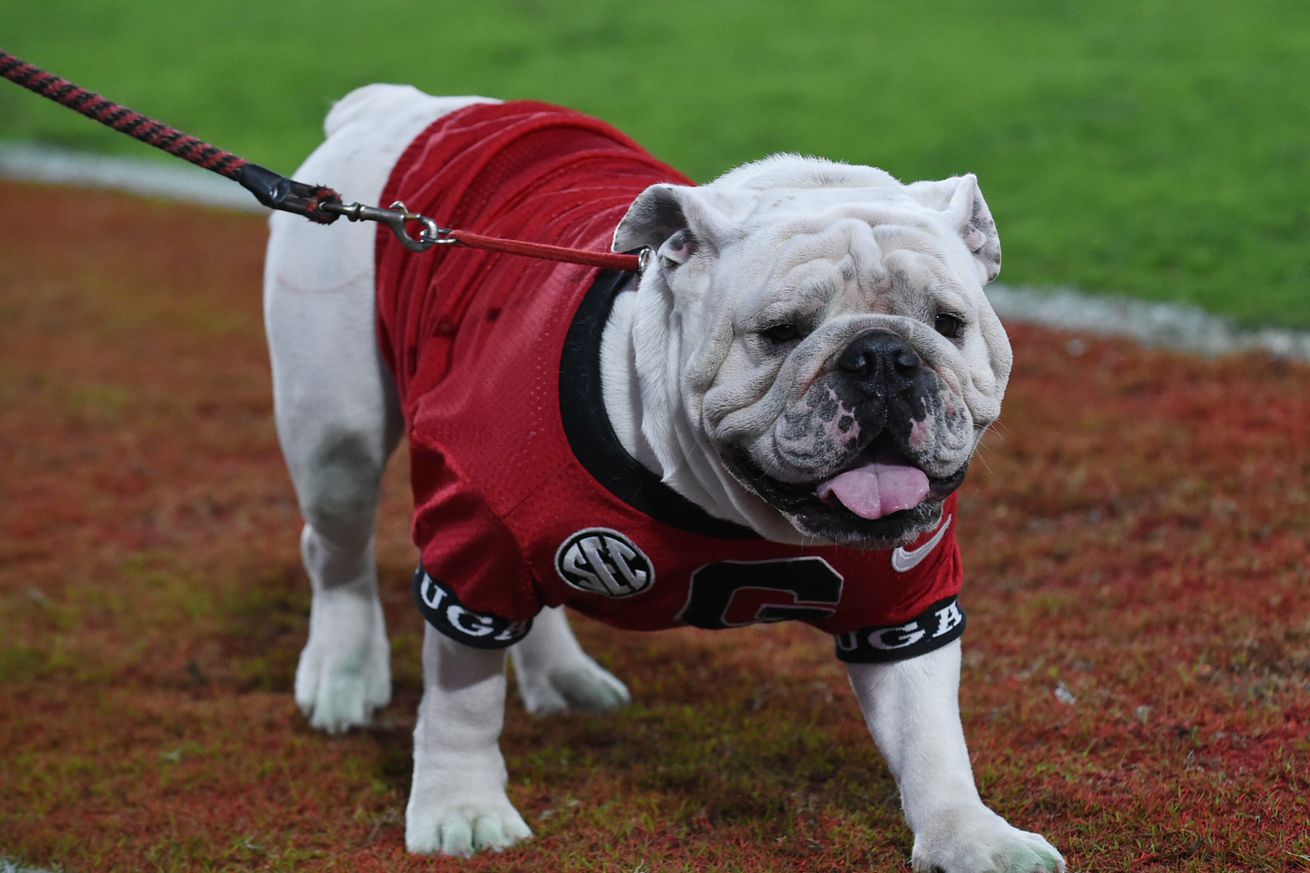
[[829, 342]]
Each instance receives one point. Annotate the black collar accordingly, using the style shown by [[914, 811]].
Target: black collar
[[592, 437]]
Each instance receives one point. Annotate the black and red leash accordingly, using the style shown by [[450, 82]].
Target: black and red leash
[[272, 190], [318, 203]]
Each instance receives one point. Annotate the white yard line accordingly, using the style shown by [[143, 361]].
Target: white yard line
[[1168, 325], [174, 181], [7, 866]]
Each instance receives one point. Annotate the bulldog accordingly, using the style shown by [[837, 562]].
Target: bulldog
[[768, 423]]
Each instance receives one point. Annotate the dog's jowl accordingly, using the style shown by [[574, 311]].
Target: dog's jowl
[[770, 423]]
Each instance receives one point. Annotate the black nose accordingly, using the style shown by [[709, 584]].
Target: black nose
[[879, 358]]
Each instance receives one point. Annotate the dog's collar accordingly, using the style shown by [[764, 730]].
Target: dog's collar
[[592, 437]]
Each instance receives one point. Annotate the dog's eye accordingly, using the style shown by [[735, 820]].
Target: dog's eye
[[783, 333], [949, 326]]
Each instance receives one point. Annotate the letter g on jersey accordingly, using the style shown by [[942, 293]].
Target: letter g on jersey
[[599, 560]]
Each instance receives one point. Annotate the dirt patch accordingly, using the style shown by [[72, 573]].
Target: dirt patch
[[1137, 665]]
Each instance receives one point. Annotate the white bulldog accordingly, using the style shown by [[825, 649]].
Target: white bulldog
[[809, 356]]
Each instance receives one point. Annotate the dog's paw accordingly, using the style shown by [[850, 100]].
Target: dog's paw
[[462, 828], [345, 669], [576, 685], [980, 841]]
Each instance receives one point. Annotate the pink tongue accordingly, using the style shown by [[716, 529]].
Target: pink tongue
[[874, 489]]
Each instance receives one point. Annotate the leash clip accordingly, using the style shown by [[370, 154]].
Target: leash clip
[[644, 256], [398, 218]]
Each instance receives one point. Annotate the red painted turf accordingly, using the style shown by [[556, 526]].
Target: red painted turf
[[1136, 538]]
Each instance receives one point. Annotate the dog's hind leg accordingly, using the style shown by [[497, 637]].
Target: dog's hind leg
[[338, 421], [554, 674], [338, 418]]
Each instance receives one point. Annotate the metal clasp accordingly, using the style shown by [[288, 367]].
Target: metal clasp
[[398, 218], [644, 258]]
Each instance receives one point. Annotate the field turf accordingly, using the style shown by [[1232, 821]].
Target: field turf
[[1154, 148], [1137, 669]]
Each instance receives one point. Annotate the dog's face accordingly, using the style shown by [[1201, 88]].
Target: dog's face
[[825, 340]]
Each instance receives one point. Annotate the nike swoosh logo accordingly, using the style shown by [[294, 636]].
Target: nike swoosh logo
[[904, 562]]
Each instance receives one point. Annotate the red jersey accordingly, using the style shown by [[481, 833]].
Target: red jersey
[[523, 495]]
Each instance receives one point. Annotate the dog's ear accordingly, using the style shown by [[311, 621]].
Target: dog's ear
[[676, 221], [962, 201]]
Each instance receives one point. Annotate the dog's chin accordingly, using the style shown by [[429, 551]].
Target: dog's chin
[[827, 519], [839, 525]]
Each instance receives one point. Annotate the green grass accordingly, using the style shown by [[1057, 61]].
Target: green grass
[[1154, 148]]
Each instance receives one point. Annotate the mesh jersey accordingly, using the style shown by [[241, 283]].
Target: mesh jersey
[[523, 497]]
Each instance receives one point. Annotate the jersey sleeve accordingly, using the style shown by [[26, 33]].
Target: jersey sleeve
[[904, 603], [473, 584], [941, 623]]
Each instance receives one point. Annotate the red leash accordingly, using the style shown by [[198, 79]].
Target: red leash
[[318, 203], [399, 219], [607, 260]]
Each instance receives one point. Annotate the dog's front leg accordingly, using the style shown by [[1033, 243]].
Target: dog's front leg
[[457, 803], [912, 708]]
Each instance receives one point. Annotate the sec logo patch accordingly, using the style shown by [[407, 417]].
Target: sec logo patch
[[599, 560]]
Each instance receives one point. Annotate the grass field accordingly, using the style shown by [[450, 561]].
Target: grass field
[[1153, 148], [1137, 670]]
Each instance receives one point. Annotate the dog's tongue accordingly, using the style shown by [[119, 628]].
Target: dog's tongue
[[875, 489]]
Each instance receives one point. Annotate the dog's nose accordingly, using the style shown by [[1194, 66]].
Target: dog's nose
[[879, 360], [879, 351]]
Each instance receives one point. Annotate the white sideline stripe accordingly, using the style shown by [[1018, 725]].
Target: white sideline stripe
[[7, 866], [49, 166], [1162, 325], [1167, 325]]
